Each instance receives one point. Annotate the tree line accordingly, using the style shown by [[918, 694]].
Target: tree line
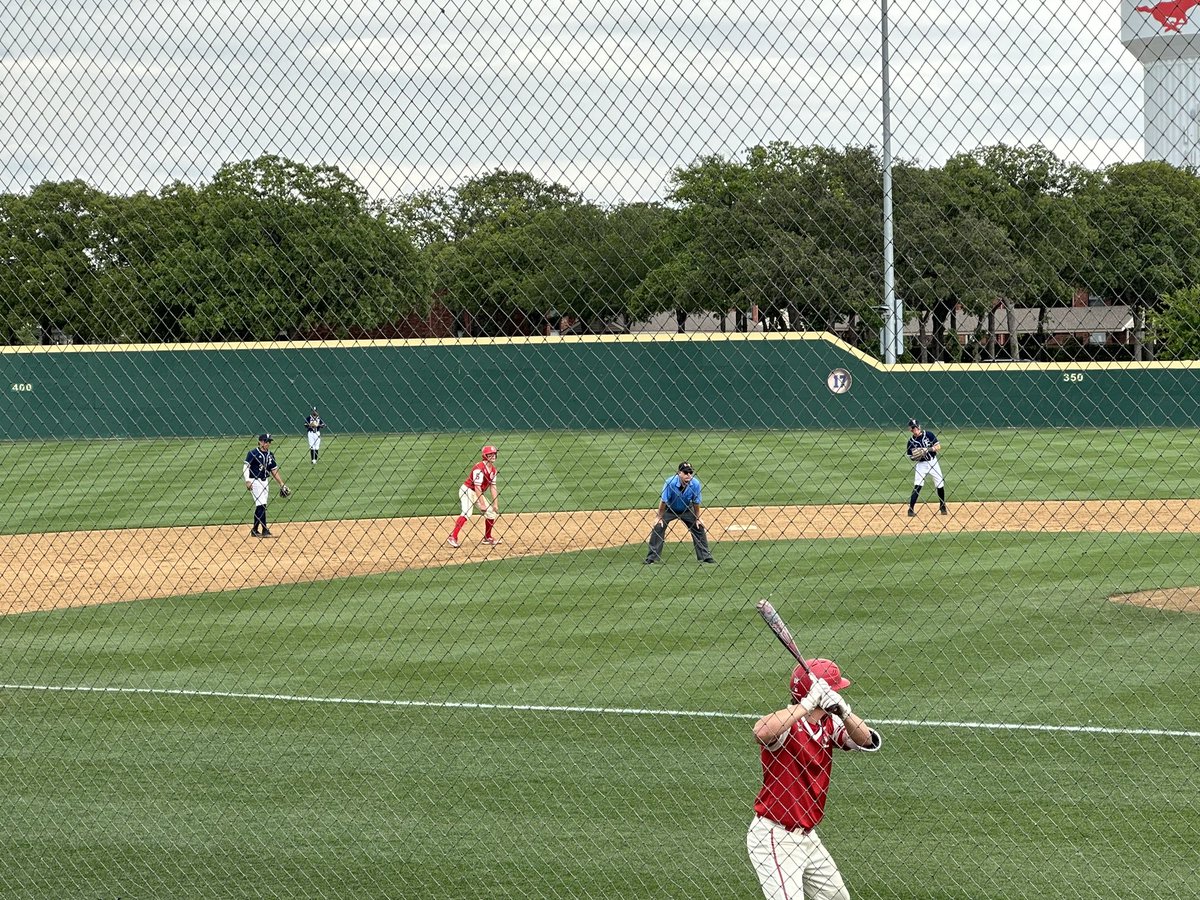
[[272, 248]]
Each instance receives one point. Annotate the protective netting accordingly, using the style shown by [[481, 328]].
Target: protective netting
[[680, 265]]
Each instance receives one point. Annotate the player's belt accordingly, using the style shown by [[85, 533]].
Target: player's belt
[[796, 828]]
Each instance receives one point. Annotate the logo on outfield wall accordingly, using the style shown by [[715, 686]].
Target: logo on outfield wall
[[1171, 14], [839, 381]]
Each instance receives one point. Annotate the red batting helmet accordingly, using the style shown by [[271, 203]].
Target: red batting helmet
[[487, 451], [821, 668]]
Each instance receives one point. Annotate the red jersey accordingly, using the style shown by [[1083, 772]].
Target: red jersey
[[481, 477], [796, 772]]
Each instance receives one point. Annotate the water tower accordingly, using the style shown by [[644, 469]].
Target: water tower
[[1165, 37]]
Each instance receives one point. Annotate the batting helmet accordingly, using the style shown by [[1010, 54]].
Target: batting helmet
[[487, 451], [821, 668]]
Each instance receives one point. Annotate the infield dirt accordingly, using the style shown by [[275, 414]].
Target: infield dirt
[[84, 568]]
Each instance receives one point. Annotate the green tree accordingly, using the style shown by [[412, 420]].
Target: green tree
[[481, 265], [281, 249], [793, 230], [586, 262], [1177, 324], [1145, 229], [947, 253], [1032, 195], [49, 243], [149, 235]]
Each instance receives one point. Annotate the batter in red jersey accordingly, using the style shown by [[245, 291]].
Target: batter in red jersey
[[473, 492], [796, 747]]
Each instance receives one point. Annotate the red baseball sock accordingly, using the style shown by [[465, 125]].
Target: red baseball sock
[[462, 520], [487, 527]]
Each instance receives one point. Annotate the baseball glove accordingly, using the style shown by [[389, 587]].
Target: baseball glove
[[285, 492], [918, 454]]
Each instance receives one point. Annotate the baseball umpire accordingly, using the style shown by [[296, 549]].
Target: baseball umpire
[[923, 449], [796, 747], [259, 466], [680, 499]]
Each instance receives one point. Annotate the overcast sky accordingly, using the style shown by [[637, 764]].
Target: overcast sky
[[605, 97]]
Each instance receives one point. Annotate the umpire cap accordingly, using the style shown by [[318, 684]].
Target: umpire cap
[[686, 467]]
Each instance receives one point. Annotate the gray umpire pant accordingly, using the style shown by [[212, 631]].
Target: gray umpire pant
[[658, 534]]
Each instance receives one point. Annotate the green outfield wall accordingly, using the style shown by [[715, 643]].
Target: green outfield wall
[[622, 382]]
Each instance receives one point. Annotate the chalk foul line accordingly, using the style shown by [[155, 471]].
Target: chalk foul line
[[583, 710]]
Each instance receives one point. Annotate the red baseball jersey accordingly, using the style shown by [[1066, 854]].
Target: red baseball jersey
[[796, 772], [481, 477]]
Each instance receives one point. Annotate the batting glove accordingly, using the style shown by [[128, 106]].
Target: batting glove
[[815, 698], [834, 704]]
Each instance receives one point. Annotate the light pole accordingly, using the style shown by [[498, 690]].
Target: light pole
[[892, 339]]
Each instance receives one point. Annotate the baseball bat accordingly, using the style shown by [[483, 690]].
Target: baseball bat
[[776, 624]]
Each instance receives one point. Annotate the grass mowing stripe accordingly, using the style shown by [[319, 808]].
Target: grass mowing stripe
[[589, 710], [119, 484]]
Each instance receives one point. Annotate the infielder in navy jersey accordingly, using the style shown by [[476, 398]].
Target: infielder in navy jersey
[[259, 466], [314, 424], [923, 448]]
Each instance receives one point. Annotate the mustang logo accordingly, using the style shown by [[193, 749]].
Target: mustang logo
[[1170, 14]]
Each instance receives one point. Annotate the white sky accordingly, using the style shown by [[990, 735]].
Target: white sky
[[606, 98]]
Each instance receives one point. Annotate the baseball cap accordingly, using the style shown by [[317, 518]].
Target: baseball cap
[[821, 668], [265, 437], [686, 467], [913, 423]]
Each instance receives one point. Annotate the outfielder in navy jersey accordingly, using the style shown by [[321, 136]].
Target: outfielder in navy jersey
[[260, 466], [314, 423], [923, 448]]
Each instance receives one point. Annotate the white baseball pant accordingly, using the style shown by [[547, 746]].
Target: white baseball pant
[[466, 502], [792, 864], [314, 440], [260, 489], [926, 468]]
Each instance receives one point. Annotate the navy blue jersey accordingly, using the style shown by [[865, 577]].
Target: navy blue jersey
[[262, 464], [314, 423], [925, 439]]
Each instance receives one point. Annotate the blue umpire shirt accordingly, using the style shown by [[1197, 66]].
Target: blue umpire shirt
[[680, 499]]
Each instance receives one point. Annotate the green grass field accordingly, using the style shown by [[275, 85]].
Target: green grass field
[[210, 756], [66, 486]]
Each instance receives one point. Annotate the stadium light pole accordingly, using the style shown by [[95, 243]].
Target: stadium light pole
[[892, 339]]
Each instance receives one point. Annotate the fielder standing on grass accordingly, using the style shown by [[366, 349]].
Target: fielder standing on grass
[[796, 747], [314, 424], [472, 492], [923, 448], [259, 466]]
